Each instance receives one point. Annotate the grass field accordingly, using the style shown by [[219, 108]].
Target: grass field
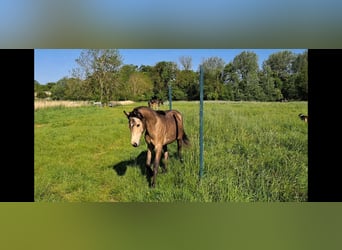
[[252, 152]]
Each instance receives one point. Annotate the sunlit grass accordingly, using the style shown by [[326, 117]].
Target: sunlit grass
[[252, 152]]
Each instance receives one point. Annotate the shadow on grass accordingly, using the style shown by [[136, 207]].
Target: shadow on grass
[[121, 167]]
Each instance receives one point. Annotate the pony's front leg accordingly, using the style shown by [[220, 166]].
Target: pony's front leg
[[148, 159], [158, 150], [166, 157]]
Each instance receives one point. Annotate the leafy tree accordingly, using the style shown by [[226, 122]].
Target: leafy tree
[[186, 85], [101, 76], [230, 75], [254, 91], [227, 92], [99, 68], [41, 94], [282, 69], [186, 62], [140, 86], [37, 86], [43, 87], [146, 69], [163, 75], [74, 89], [213, 65], [49, 85], [244, 63], [231, 82], [58, 90], [123, 91], [300, 67], [126, 71], [267, 82], [213, 77], [245, 66]]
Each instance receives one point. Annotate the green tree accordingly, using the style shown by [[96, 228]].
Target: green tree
[[267, 82], [231, 82], [123, 91], [146, 69], [300, 68], [244, 63], [282, 70], [186, 85], [164, 73], [186, 62], [140, 86], [49, 85], [74, 89], [213, 77], [254, 91], [99, 68], [59, 89], [245, 66], [41, 94], [37, 86]]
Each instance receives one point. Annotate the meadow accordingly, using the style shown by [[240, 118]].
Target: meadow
[[253, 151]]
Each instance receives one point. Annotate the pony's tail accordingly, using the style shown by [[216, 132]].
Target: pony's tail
[[185, 139]]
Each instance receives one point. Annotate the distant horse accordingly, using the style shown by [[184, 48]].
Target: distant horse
[[155, 102], [304, 118], [161, 128]]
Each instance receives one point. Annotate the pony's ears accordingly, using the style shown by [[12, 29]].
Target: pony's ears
[[127, 114], [134, 113], [137, 114]]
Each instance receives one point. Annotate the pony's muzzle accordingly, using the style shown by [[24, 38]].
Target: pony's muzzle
[[134, 144]]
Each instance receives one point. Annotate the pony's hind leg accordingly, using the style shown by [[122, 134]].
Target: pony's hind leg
[[179, 146]]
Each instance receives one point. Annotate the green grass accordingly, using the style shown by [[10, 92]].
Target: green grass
[[252, 152]]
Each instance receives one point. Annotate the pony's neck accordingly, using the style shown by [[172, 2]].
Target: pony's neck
[[150, 117]]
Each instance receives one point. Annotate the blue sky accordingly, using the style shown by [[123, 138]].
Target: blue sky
[[51, 65], [171, 24]]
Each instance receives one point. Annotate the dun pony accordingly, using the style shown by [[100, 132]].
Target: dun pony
[[304, 118], [161, 128], [155, 102]]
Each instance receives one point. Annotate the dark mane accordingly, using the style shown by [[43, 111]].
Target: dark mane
[[161, 112], [136, 113]]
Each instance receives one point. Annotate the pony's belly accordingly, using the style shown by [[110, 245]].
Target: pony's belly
[[169, 140]]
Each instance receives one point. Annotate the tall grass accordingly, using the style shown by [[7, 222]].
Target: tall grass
[[41, 103], [252, 152]]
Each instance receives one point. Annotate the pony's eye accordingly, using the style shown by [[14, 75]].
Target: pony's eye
[[138, 125]]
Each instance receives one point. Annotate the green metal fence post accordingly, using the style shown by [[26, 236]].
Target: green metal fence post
[[201, 123]]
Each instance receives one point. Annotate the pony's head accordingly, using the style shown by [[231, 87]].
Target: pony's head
[[136, 126]]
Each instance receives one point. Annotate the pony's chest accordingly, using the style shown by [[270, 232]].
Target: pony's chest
[[148, 138], [152, 140], [161, 138]]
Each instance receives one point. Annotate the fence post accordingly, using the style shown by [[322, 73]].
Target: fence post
[[201, 123]]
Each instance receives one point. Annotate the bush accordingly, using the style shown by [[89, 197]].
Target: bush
[[41, 94]]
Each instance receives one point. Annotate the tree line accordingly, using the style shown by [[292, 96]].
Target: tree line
[[102, 76]]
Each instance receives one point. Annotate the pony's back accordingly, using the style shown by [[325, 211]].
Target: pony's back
[[180, 126]]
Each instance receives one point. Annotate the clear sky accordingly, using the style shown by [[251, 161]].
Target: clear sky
[[51, 65]]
